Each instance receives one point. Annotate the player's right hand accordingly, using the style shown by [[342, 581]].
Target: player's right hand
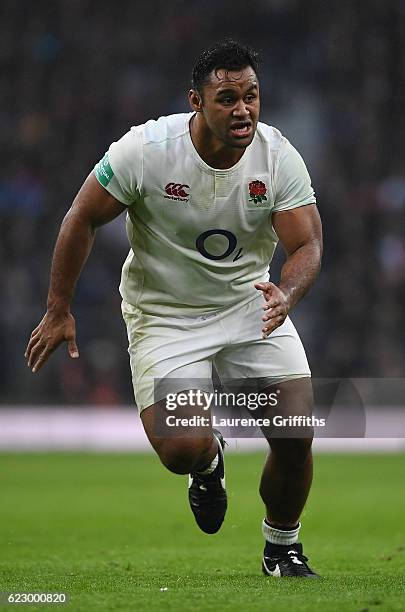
[[54, 329]]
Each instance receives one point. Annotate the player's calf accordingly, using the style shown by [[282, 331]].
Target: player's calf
[[286, 480]]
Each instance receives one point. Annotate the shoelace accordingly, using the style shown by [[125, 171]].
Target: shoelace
[[301, 558], [297, 561], [290, 557]]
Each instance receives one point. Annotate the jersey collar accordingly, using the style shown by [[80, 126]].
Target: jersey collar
[[202, 164]]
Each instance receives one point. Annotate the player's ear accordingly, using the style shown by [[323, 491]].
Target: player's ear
[[195, 100]]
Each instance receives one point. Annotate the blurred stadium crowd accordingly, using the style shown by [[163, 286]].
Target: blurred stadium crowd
[[76, 74]]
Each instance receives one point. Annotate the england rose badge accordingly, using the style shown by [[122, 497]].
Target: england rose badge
[[257, 192]]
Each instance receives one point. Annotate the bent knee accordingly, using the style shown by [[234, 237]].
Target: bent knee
[[183, 455]]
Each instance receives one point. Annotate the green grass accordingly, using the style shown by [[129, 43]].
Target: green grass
[[113, 530]]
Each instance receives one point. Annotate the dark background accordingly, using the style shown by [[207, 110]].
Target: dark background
[[76, 74]]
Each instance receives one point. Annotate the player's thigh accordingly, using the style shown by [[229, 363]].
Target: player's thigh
[[256, 362], [276, 366], [292, 398], [290, 431], [167, 355]]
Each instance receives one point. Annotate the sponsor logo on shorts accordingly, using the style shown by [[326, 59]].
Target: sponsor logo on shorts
[[177, 191]]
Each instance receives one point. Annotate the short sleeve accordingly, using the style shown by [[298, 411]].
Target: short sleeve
[[293, 183], [120, 170]]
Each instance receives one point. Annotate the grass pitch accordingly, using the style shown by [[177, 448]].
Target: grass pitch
[[115, 533]]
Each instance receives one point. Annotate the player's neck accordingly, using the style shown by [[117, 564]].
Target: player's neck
[[213, 151]]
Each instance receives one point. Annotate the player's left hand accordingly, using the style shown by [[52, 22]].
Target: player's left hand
[[276, 307]]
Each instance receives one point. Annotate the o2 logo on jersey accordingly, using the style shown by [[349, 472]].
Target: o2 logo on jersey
[[230, 250]]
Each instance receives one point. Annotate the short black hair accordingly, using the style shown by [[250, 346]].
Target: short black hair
[[227, 54]]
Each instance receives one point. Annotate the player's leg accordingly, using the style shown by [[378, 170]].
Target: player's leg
[[169, 355], [196, 450], [286, 480], [287, 473]]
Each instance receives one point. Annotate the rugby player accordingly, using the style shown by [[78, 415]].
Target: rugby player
[[207, 197]]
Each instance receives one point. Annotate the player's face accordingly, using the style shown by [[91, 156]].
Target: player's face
[[231, 105]]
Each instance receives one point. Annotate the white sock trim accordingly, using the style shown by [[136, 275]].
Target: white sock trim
[[279, 536]]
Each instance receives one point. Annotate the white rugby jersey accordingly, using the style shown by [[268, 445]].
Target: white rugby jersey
[[200, 237]]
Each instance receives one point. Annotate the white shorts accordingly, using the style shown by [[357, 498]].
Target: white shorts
[[181, 350]]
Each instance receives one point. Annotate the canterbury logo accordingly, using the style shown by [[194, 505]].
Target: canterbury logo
[[177, 190]]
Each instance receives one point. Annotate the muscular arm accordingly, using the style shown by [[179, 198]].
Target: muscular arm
[[300, 233], [92, 207]]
